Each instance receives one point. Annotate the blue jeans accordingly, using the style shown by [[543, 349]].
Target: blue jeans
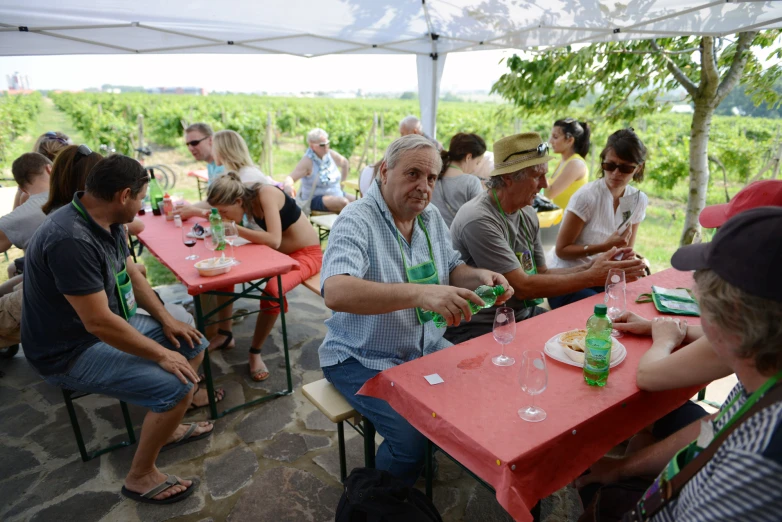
[[403, 449], [106, 370], [562, 300]]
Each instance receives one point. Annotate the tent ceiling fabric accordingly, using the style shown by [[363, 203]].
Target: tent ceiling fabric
[[314, 28]]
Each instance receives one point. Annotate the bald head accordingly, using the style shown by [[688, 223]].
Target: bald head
[[410, 125]]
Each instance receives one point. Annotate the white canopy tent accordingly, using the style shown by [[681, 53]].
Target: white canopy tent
[[309, 28]]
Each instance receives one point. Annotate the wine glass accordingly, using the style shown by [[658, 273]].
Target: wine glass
[[231, 235], [533, 379], [504, 332], [616, 302], [189, 242], [210, 243]]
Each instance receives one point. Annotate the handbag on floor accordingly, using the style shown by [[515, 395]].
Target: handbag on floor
[[372, 495]]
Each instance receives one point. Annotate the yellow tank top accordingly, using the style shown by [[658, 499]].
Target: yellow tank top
[[562, 199]]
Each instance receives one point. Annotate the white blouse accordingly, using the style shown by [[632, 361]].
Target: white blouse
[[594, 204]]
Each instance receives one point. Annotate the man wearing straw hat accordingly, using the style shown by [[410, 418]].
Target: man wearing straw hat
[[498, 231]]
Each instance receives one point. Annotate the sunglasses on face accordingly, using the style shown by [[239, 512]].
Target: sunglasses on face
[[624, 168], [82, 152], [195, 143], [541, 149], [323, 144]]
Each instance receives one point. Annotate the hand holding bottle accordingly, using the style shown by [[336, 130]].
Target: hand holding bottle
[[450, 302]]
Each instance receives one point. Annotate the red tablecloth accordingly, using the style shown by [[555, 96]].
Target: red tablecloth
[[164, 240], [473, 414]]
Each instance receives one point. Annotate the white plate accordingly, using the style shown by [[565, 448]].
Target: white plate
[[554, 350]]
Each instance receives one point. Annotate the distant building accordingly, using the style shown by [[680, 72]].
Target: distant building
[[18, 82], [682, 109]]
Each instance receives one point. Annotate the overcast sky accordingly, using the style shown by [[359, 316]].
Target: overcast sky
[[251, 73]]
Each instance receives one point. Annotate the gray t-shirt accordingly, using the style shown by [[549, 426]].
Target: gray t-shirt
[[480, 235], [19, 225], [452, 192]]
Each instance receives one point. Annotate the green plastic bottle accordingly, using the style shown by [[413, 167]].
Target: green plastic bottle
[[216, 227], [155, 193], [597, 356], [489, 294]]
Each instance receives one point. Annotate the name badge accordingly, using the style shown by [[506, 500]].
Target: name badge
[[706, 435]]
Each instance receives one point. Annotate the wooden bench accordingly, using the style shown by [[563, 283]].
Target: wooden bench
[[323, 222], [313, 284], [324, 396]]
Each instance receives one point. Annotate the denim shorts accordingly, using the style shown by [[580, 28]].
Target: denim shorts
[[106, 370], [317, 204]]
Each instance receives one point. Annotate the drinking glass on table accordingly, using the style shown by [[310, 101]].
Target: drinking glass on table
[[504, 333], [616, 296], [231, 235], [210, 243], [533, 379], [189, 242]]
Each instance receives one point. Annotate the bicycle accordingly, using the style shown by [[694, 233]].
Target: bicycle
[[165, 175]]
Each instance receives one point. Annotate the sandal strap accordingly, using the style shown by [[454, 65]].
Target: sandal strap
[[171, 480], [226, 333], [191, 428], [256, 351]]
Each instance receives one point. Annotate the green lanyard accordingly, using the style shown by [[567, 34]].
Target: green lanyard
[[527, 239], [127, 299], [755, 397], [422, 274]]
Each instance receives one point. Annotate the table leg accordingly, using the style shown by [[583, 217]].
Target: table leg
[[285, 336], [210, 387], [369, 443], [429, 471]]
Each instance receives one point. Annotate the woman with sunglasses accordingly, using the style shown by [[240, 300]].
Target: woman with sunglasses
[[321, 172], [570, 139], [604, 213], [272, 219], [49, 144]]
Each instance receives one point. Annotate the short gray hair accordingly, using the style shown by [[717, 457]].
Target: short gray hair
[[409, 122], [756, 321], [317, 132], [201, 127], [496, 182], [408, 143]]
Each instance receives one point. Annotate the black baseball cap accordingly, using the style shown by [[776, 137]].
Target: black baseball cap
[[746, 252]]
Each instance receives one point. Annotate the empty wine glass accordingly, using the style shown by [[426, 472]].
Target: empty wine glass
[[616, 302], [533, 379], [189, 242], [231, 235], [504, 332], [210, 243]]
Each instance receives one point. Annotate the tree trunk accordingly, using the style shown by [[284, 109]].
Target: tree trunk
[[699, 170]]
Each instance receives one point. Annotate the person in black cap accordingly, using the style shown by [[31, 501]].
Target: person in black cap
[[730, 466]]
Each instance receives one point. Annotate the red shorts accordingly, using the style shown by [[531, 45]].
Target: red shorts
[[310, 259]]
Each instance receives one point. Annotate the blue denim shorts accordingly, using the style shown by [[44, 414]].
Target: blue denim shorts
[[106, 370], [317, 204]]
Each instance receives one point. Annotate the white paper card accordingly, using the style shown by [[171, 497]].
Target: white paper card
[[433, 379]]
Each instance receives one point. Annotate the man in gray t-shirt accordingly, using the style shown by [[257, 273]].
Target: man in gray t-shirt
[[31, 172], [498, 231]]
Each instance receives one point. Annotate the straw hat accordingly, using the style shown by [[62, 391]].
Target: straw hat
[[516, 152]]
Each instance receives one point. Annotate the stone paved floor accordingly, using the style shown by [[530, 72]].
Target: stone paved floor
[[276, 462]]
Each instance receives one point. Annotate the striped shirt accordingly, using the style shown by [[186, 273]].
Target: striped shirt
[[742, 480], [363, 244]]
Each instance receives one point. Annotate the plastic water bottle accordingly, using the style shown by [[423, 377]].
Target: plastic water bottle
[[489, 294], [216, 226], [597, 353]]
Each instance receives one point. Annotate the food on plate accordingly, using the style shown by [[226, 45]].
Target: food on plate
[[213, 262], [574, 339]]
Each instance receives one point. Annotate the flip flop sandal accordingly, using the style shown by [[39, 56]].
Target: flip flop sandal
[[187, 438], [219, 396], [229, 336], [240, 311], [171, 480]]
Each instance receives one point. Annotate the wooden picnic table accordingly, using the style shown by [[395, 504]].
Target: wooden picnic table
[[258, 264], [473, 417]]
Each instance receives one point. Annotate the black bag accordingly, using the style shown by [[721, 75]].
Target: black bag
[[372, 495]]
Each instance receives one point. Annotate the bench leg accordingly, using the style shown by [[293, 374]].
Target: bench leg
[[128, 423], [75, 425], [343, 467], [369, 444]]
